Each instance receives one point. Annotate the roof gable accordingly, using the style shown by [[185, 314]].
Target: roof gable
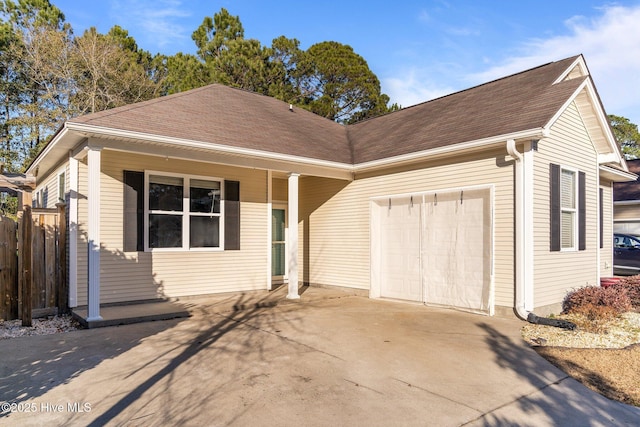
[[576, 70]]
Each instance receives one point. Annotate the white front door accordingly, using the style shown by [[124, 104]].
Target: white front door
[[278, 245]]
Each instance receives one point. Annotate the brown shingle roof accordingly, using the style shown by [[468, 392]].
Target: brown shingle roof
[[523, 101], [628, 190], [221, 115]]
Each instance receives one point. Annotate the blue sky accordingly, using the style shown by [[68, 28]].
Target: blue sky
[[418, 49]]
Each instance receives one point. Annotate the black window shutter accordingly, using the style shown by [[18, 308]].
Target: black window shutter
[[582, 212], [554, 179], [601, 218], [133, 227], [232, 215]]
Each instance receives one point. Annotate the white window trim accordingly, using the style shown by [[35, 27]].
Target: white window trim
[[186, 214], [285, 277], [574, 211], [61, 197], [38, 198]]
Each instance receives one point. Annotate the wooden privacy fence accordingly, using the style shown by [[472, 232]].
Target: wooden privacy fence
[[36, 283], [8, 268]]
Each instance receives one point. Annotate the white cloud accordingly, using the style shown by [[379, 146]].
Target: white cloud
[[156, 20], [412, 88], [610, 44]]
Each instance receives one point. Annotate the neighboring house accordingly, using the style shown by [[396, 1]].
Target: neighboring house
[[626, 205], [491, 199]]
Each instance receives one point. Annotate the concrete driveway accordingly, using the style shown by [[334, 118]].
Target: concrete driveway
[[329, 359]]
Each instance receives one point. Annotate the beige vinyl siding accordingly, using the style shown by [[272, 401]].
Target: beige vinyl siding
[[127, 276], [627, 212], [557, 272], [279, 190], [335, 217], [606, 252], [49, 187]]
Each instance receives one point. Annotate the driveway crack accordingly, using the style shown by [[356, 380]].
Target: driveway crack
[[437, 394], [363, 386], [515, 400]]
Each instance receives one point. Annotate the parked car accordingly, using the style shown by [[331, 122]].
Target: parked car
[[626, 254]]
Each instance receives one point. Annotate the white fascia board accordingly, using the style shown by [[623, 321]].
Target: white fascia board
[[56, 151], [536, 133], [342, 169], [616, 175], [580, 63], [604, 122], [186, 143], [47, 149], [626, 202]]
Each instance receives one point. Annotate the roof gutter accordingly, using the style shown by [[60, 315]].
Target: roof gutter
[[535, 133], [60, 133], [616, 175], [90, 130]]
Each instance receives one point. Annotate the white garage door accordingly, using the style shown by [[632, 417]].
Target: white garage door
[[400, 238], [435, 248]]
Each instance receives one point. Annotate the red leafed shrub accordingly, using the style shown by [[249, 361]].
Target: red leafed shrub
[[632, 285], [593, 313], [587, 298]]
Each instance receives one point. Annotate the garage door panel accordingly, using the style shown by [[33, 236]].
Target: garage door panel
[[464, 278], [400, 246]]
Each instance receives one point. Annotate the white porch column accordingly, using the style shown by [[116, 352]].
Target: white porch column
[[269, 230], [73, 232], [93, 312], [293, 236]]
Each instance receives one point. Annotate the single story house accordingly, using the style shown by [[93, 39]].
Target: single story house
[[626, 202], [496, 199]]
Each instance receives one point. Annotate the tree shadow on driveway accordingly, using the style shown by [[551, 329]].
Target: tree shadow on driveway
[[155, 356], [31, 366], [554, 395]]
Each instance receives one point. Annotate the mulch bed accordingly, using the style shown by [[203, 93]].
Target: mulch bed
[[614, 373]]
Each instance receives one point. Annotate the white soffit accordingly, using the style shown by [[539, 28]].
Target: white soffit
[[616, 175]]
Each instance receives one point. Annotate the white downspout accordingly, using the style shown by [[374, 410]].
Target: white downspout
[[524, 238], [520, 304]]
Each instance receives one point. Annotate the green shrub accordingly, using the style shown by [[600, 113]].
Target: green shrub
[[587, 300], [632, 285]]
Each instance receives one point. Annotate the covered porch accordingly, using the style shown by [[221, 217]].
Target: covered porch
[[281, 179]]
